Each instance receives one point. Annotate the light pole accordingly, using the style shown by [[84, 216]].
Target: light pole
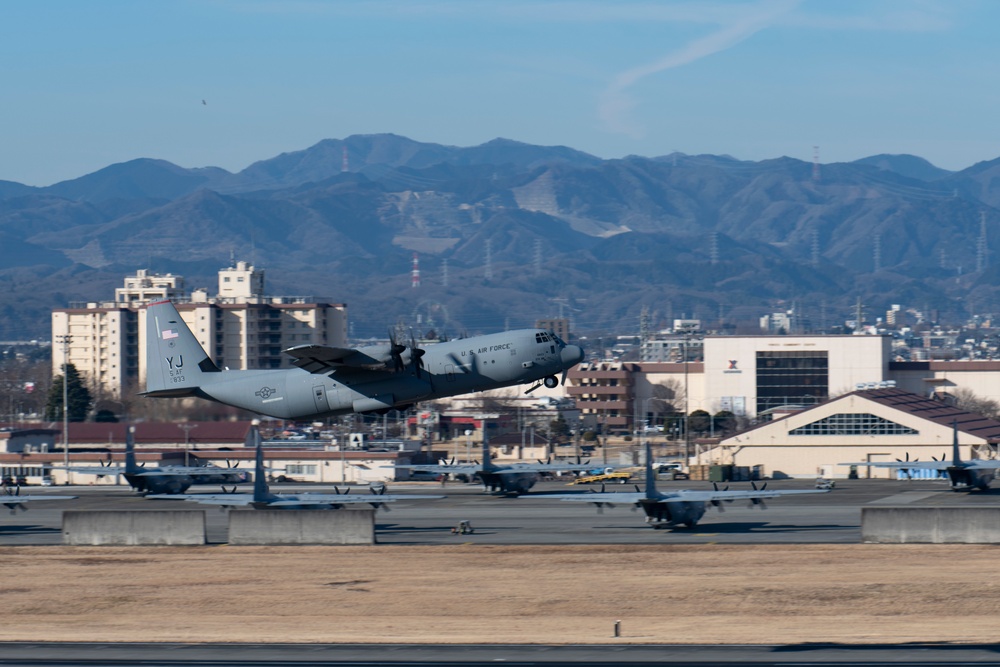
[[66, 338], [187, 439], [468, 445], [687, 437]]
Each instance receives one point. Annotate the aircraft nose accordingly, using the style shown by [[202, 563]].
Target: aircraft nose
[[571, 355]]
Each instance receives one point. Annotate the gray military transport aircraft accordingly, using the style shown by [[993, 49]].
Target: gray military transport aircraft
[[963, 475], [262, 498], [332, 380], [162, 479], [666, 509], [508, 480]]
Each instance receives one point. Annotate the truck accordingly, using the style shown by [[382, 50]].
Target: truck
[[675, 470], [605, 476]]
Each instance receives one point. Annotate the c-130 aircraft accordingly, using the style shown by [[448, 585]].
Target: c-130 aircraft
[[333, 381]]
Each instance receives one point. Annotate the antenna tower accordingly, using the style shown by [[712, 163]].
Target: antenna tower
[[814, 250], [538, 257], [816, 163], [713, 249], [343, 163], [415, 280], [877, 252], [444, 272], [489, 260], [644, 325], [981, 248]]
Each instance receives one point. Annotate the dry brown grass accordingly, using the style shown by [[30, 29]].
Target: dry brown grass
[[502, 594]]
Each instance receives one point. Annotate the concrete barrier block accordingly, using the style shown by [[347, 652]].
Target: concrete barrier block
[[301, 527], [133, 528], [930, 525]]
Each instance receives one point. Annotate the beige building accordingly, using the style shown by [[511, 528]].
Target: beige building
[[240, 327], [756, 376], [864, 425]]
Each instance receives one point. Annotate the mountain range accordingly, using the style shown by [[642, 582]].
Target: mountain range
[[507, 232]]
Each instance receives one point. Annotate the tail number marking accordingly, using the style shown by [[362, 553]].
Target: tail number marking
[[174, 368]]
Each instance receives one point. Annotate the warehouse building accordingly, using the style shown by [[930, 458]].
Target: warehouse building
[[864, 425]]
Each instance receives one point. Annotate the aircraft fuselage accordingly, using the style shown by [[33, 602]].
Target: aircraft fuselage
[[447, 369], [681, 512]]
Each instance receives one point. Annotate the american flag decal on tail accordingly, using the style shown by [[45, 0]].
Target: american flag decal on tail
[[168, 334]]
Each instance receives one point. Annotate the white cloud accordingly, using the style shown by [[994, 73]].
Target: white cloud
[[615, 102]]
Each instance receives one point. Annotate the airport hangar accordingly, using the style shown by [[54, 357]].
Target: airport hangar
[[865, 425]]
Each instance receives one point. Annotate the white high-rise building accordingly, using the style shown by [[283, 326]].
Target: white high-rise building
[[240, 327]]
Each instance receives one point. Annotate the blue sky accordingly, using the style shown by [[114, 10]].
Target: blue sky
[[87, 84]]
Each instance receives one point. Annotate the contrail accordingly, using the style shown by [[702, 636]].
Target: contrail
[[615, 103]]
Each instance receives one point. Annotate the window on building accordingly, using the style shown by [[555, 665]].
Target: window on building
[[848, 423], [300, 469], [792, 378]]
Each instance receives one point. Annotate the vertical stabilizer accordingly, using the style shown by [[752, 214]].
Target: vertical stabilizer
[[651, 491], [176, 364], [260, 488], [487, 461], [131, 467], [956, 458]]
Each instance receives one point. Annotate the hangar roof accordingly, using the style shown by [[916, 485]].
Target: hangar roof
[[931, 409]]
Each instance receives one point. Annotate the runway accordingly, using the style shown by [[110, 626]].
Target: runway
[[23, 654], [830, 518]]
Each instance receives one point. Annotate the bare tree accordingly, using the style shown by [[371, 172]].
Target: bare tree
[[967, 400]]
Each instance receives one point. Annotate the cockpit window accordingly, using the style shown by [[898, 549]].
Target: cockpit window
[[543, 337]]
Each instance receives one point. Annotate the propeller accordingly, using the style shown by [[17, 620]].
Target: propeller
[[416, 355], [396, 352]]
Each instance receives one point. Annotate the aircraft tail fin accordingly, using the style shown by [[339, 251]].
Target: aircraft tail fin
[[131, 467], [956, 458], [176, 364], [261, 491], [651, 491], [487, 461]]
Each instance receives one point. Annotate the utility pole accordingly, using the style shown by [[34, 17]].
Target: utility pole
[[187, 439], [687, 437]]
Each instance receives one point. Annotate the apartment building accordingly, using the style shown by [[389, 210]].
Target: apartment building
[[240, 327]]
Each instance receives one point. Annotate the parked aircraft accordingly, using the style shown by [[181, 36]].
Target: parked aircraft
[[163, 479], [262, 498], [510, 480], [963, 475], [331, 381], [11, 498], [672, 508]]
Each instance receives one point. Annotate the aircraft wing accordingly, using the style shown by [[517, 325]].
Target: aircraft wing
[[612, 497], [971, 464], [546, 467], [324, 359], [911, 465], [228, 499], [738, 494], [344, 499], [444, 469], [100, 471], [606, 497], [195, 471], [13, 499]]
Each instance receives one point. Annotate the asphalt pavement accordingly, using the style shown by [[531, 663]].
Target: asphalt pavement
[[829, 518]]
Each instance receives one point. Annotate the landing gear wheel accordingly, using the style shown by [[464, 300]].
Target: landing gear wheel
[[551, 382]]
